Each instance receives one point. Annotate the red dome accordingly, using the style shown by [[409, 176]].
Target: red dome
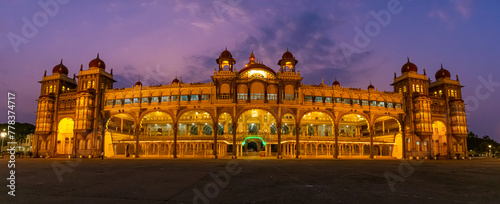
[[138, 83], [97, 63], [409, 67], [442, 73], [287, 55], [371, 86], [336, 83], [175, 80], [60, 69]]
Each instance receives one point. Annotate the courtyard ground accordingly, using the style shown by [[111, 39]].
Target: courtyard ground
[[252, 181]]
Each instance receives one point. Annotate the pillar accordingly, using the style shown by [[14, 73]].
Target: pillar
[[175, 128], [216, 149], [371, 142], [137, 130], [297, 145], [279, 141], [235, 156], [74, 145], [337, 132]]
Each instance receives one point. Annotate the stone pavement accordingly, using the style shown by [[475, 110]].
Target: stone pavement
[[252, 181]]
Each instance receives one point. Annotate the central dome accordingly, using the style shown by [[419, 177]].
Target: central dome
[[97, 63]]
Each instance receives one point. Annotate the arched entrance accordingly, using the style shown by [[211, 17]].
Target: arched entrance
[[120, 131], [439, 139], [195, 131], [258, 126], [387, 131], [317, 130], [65, 136], [354, 135]]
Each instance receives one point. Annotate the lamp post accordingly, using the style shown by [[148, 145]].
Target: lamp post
[[3, 134], [488, 146]]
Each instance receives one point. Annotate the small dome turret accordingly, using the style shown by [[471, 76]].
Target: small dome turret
[[60, 69], [409, 67], [442, 73], [97, 63]]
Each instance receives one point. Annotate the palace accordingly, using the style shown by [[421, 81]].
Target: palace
[[255, 111]]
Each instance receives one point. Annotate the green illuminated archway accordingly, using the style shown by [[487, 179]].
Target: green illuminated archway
[[253, 137]]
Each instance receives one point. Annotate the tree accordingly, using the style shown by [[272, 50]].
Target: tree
[[20, 131]]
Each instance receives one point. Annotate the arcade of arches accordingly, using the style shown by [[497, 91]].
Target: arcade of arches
[[256, 132]]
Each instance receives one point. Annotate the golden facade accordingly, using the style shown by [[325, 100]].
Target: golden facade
[[255, 111]]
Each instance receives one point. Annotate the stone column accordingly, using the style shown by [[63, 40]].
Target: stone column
[[297, 145], [371, 142], [216, 128], [337, 132], [175, 128], [279, 141], [235, 153], [137, 132]]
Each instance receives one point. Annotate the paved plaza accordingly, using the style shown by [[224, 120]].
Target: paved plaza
[[252, 181]]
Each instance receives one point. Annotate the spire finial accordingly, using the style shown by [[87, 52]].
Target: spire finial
[[45, 73], [457, 78], [97, 55], [61, 60], [226, 47], [408, 59], [424, 72], [81, 67], [111, 71], [441, 65], [322, 80], [287, 49]]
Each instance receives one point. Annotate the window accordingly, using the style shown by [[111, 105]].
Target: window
[[127, 101], [109, 102], [338, 100], [205, 97], [389, 105], [328, 100], [242, 96], [418, 88], [184, 98], [272, 97], [308, 98], [164, 98], [355, 101], [413, 85], [154, 99], [145, 100], [364, 102], [194, 97], [257, 96], [399, 90], [318, 99], [347, 101], [404, 89], [289, 97], [374, 103], [174, 98], [398, 105], [136, 100], [118, 102], [50, 89], [440, 93], [224, 96], [381, 104]]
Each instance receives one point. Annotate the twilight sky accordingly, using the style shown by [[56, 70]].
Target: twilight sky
[[157, 39]]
